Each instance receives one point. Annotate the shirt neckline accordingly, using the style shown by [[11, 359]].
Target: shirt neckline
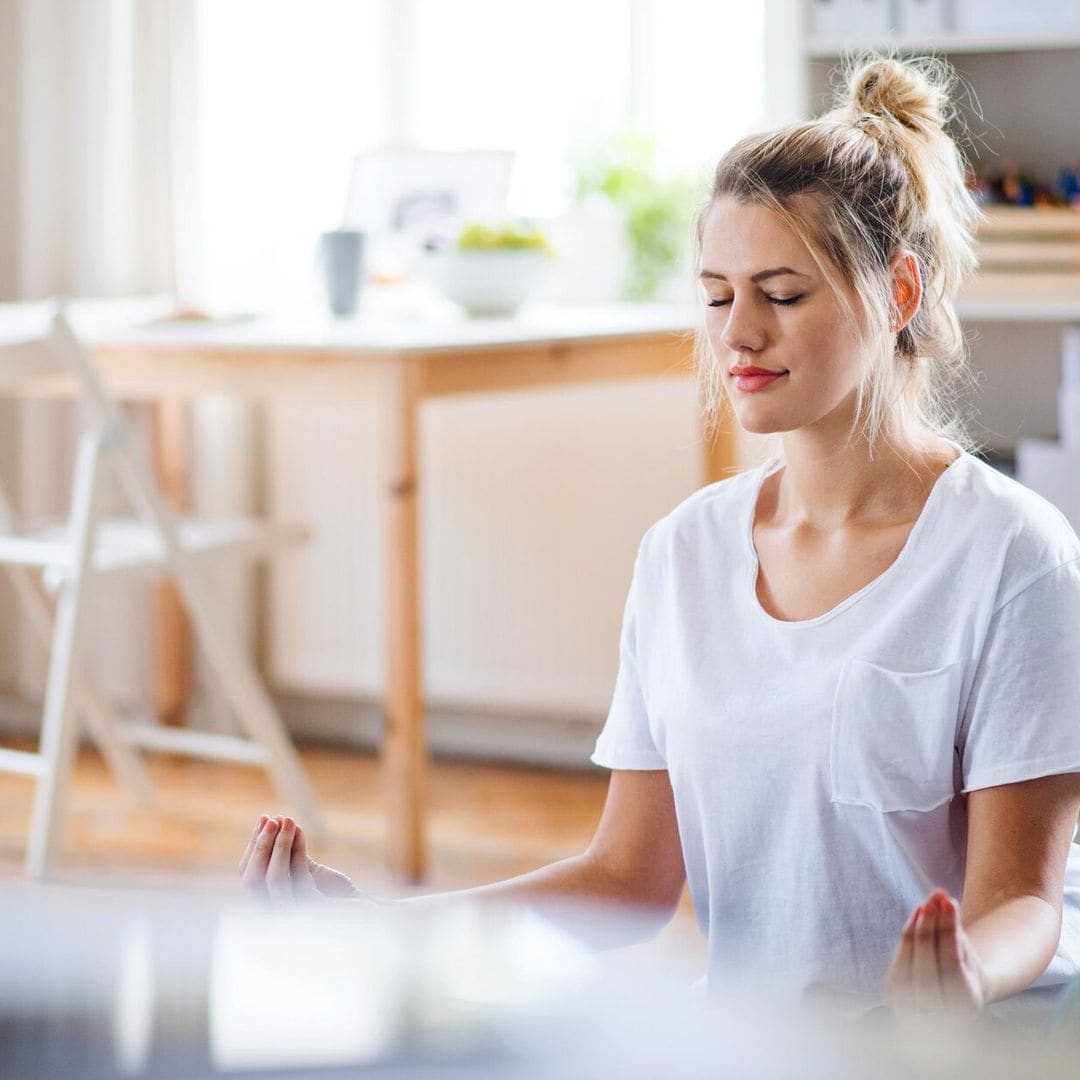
[[772, 465]]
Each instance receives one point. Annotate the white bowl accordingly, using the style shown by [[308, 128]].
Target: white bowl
[[487, 282]]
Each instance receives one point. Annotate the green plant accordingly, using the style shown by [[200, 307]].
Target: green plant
[[657, 209]]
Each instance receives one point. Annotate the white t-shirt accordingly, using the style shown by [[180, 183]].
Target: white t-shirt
[[819, 766]]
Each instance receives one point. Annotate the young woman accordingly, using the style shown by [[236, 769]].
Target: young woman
[[847, 703]]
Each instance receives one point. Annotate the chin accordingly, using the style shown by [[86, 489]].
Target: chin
[[761, 424]]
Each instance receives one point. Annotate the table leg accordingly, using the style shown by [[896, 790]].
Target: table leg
[[172, 631], [404, 743]]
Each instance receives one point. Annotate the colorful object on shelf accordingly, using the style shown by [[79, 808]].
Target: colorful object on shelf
[[1011, 186], [1069, 184]]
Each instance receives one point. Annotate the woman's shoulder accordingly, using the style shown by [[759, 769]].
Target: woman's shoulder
[[994, 512], [715, 515]]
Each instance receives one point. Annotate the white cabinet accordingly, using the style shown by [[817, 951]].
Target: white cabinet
[[950, 26], [1019, 76]]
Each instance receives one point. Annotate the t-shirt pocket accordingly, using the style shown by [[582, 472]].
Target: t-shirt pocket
[[893, 733]]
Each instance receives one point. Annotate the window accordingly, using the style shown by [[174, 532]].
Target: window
[[290, 91], [705, 77], [532, 78]]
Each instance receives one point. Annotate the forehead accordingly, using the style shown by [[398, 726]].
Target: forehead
[[742, 238]]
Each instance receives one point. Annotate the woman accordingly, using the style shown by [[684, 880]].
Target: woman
[[848, 678]]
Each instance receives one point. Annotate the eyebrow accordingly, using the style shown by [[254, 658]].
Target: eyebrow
[[761, 275]]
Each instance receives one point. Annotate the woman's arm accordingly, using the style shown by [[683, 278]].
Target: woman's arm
[[1005, 932], [634, 861], [1018, 844]]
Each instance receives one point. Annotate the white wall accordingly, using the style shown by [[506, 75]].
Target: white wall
[[1018, 366]]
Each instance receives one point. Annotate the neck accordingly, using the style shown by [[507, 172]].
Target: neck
[[827, 484]]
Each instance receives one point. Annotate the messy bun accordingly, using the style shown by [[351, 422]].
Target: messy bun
[[877, 176], [914, 94]]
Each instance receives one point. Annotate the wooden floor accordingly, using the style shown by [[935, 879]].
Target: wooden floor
[[487, 822]]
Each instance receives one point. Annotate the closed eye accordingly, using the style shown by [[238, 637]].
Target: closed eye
[[783, 301]]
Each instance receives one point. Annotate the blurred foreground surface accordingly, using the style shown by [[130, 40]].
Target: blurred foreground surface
[[121, 982]]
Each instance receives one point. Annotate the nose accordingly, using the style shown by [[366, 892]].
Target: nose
[[744, 330]]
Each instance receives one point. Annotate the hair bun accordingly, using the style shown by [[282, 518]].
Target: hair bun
[[913, 93]]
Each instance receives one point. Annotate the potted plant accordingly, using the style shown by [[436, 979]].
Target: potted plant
[[657, 208]]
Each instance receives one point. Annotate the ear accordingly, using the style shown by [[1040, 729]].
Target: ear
[[906, 290]]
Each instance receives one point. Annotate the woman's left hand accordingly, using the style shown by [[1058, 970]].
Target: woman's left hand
[[277, 867], [935, 968]]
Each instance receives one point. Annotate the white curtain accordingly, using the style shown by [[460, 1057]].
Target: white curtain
[[96, 123]]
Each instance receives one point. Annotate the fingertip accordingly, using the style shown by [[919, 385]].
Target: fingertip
[[941, 897], [909, 926]]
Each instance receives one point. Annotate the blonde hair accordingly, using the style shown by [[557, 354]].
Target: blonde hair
[[875, 178]]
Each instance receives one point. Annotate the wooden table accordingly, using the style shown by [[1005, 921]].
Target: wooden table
[[404, 364]]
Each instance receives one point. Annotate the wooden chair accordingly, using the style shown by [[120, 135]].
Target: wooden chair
[[82, 555]]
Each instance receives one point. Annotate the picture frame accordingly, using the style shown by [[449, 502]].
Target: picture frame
[[401, 199]]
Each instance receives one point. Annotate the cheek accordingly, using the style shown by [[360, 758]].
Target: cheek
[[829, 346]]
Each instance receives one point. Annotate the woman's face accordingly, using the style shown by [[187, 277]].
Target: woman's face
[[788, 354]]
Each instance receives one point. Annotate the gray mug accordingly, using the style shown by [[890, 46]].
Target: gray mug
[[341, 252]]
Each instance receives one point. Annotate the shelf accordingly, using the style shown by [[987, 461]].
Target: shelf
[[1029, 266], [1030, 258], [997, 297], [1002, 220], [947, 41]]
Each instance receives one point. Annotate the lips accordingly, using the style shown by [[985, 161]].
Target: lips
[[749, 369], [751, 379]]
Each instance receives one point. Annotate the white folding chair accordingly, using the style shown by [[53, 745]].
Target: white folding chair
[[78, 558]]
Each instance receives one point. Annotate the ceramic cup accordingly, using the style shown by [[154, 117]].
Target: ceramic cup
[[341, 252]]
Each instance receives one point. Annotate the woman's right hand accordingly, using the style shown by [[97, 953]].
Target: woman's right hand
[[276, 867]]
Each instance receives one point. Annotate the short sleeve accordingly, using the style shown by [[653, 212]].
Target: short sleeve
[[626, 741], [1022, 719]]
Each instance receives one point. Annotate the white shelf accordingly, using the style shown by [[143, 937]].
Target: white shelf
[[1033, 311], [946, 42]]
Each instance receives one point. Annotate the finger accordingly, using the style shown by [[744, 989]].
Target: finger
[[254, 876], [251, 843], [898, 980], [925, 982], [954, 985], [303, 883], [278, 879], [947, 950]]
